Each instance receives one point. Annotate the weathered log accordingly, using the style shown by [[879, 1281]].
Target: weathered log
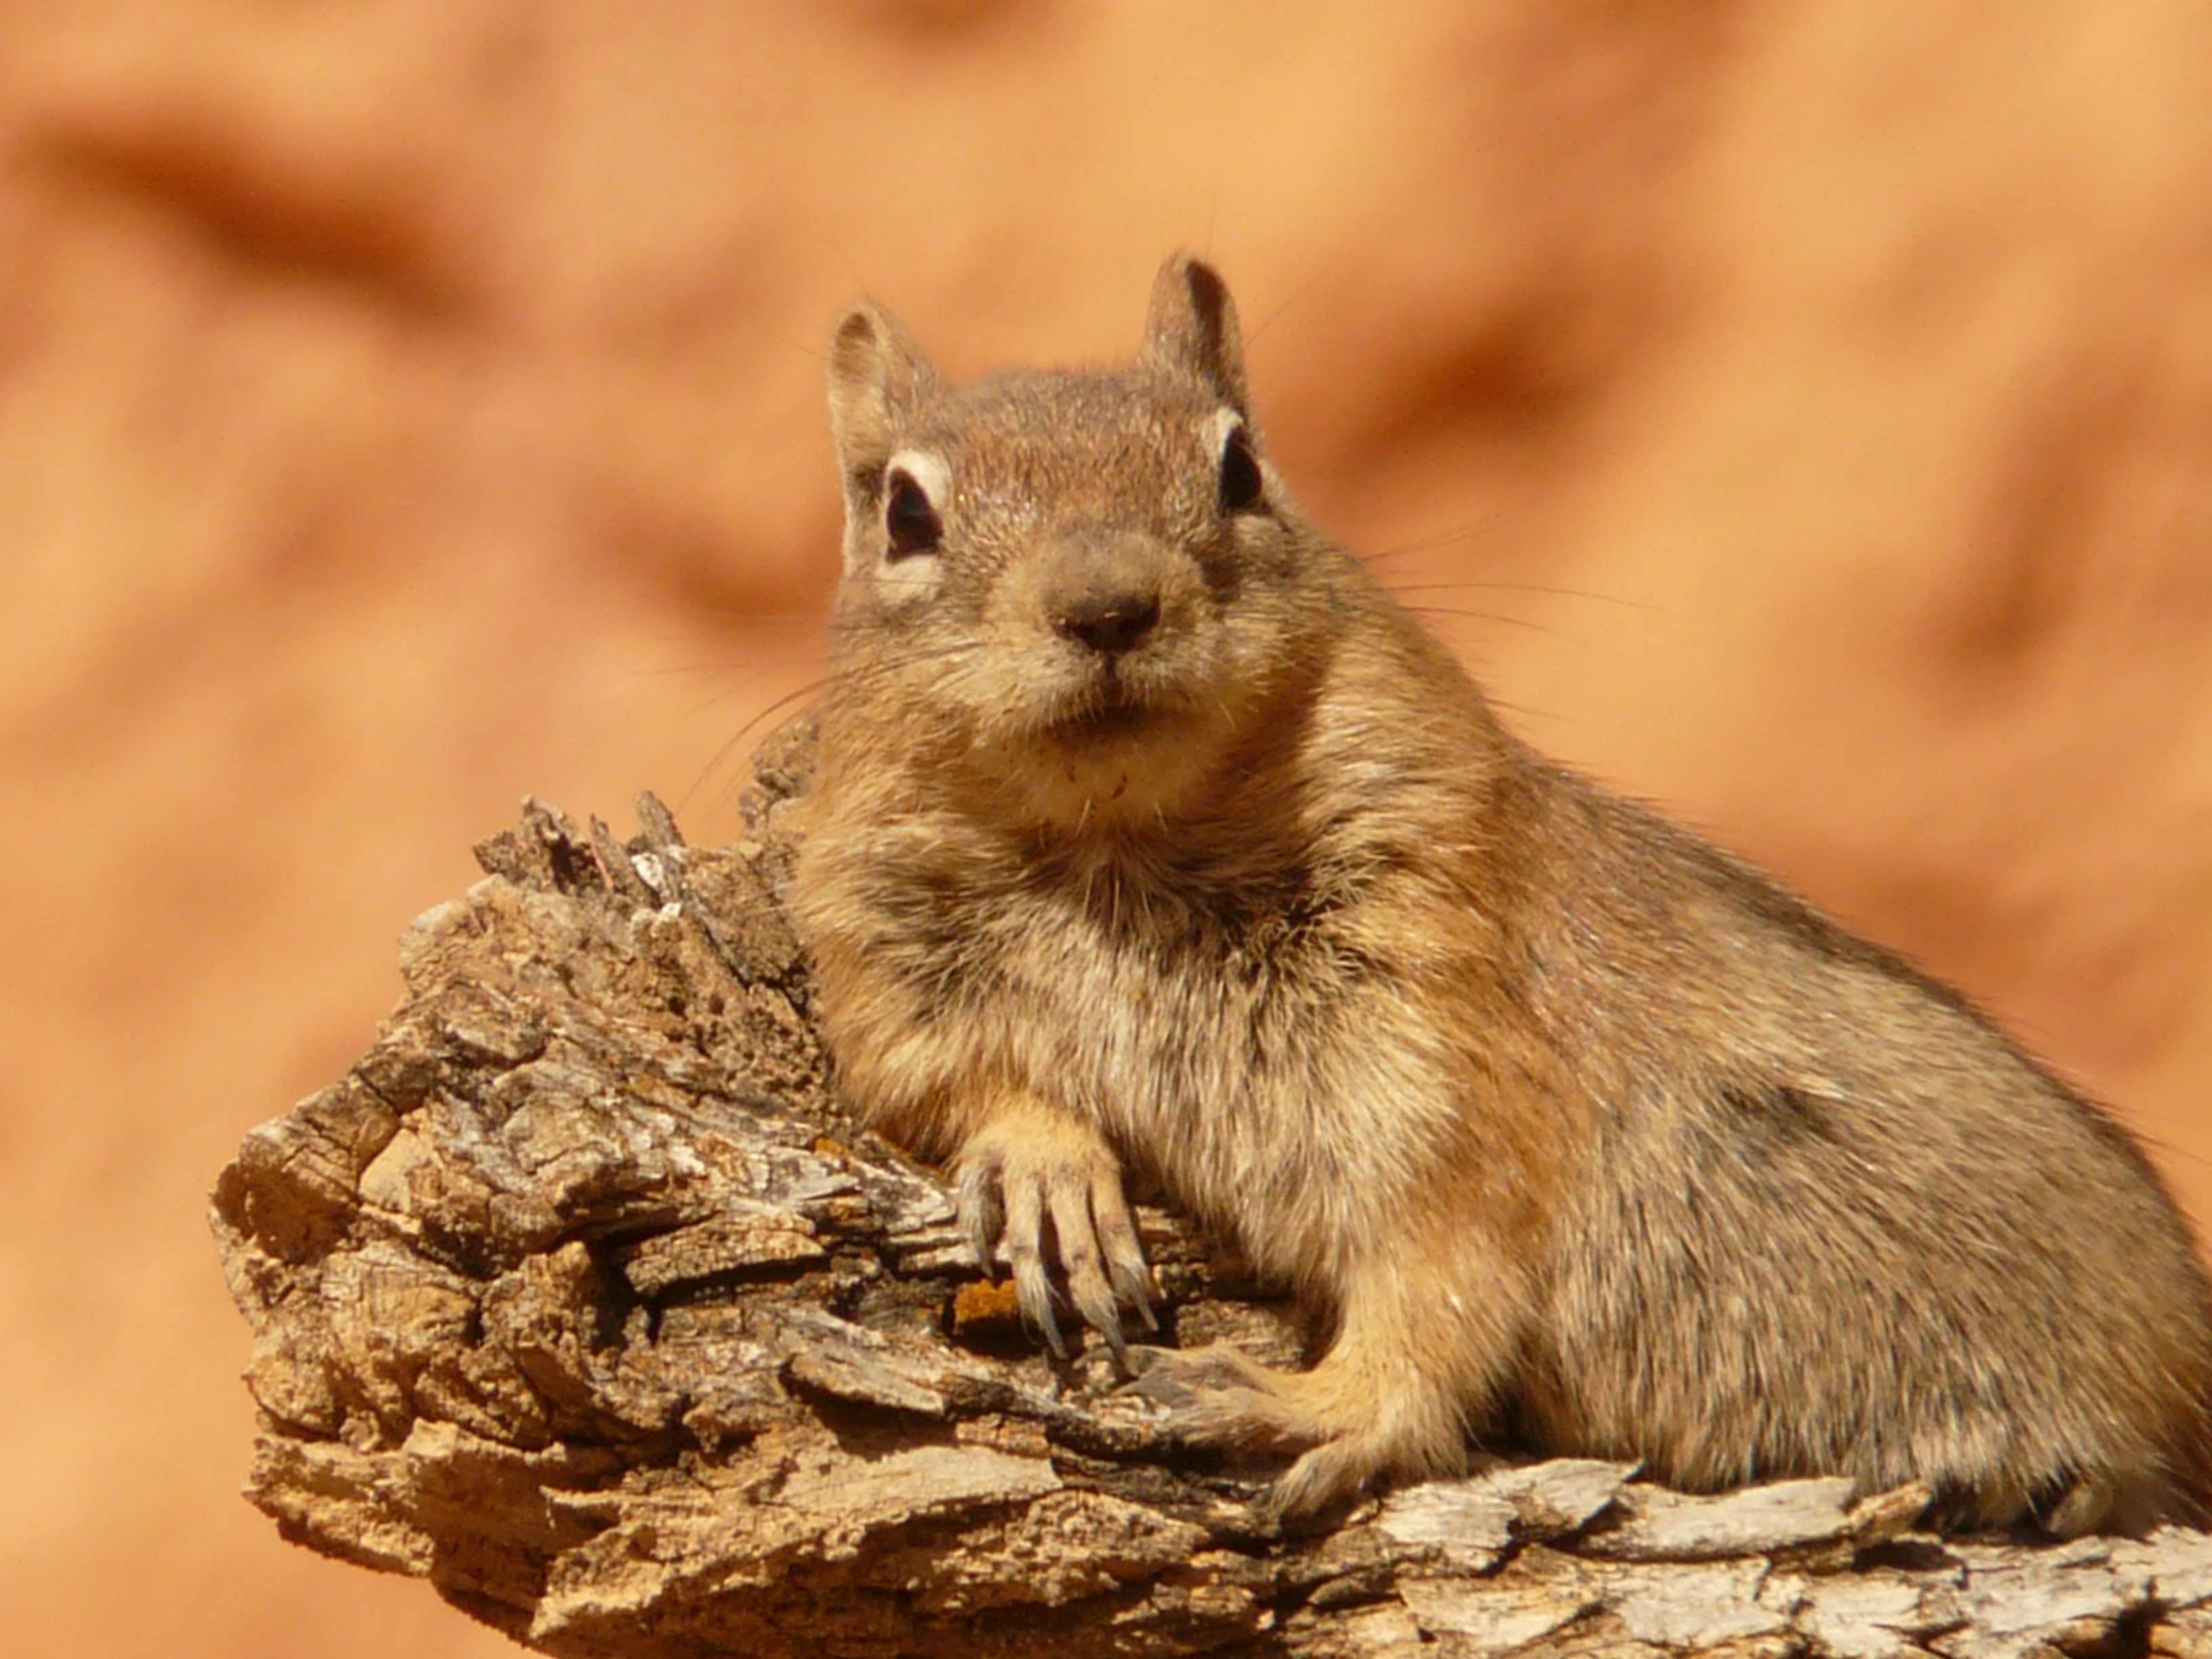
[[576, 1297]]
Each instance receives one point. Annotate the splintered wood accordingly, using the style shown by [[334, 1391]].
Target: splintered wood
[[575, 1297]]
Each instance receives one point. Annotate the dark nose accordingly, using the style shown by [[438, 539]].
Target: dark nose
[[1100, 587], [1108, 621]]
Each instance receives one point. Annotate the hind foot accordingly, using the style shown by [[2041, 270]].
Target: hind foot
[[1351, 1427]]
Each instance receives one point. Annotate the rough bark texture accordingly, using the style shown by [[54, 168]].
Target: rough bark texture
[[576, 1297]]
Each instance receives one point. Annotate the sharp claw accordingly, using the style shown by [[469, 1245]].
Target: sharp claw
[[1093, 1298], [1034, 1292], [1051, 1326], [1109, 1326], [976, 1208], [1132, 1285], [1009, 1202], [1125, 1256]]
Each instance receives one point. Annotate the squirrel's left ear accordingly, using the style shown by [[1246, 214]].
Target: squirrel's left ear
[[1191, 328], [877, 375]]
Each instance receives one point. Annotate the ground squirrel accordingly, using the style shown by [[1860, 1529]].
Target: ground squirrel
[[1148, 832]]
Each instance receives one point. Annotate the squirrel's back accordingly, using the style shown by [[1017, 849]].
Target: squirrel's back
[[1835, 1220]]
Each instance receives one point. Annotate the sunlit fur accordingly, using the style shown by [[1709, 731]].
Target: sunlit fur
[[1572, 1127]]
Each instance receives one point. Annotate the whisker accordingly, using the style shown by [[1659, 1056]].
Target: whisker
[[1297, 293], [744, 613], [857, 673], [747, 683], [2135, 1122], [1516, 587], [681, 669], [1523, 711], [1482, 615], [722, 751], [799, 346], [862, 672], [1442, 538]]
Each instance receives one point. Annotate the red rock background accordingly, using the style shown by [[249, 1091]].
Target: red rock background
[[1802, 414]]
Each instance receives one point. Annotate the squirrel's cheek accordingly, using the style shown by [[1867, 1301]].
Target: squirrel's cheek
[[909, 581]]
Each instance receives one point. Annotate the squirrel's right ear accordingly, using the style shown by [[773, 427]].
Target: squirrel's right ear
[[1191, 327], [876, 374]]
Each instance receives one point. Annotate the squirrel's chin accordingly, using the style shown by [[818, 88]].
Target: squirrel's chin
[[1126, 764]]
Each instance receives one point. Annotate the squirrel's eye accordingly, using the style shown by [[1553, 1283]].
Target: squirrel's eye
[[909, 521], [1243, 487]]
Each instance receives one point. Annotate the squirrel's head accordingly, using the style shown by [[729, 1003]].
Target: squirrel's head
[[1080, 588]]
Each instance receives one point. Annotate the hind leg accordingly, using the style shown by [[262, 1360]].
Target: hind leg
[[1415, 1363]]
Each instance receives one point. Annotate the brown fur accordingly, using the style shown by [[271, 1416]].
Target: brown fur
[[1573, 1126]]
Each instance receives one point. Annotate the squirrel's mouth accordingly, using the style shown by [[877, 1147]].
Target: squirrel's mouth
[[1112, 706], [1102, 722], [1098, 708]]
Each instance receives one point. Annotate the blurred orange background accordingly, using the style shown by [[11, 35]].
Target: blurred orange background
[[1800, 414]]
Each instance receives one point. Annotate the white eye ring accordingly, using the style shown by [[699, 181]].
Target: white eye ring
[[911, 526], [927, 469], [899, 578], [1218, 425], [1227, 427]]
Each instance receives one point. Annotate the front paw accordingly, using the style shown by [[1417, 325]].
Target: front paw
[[1022, 1171]]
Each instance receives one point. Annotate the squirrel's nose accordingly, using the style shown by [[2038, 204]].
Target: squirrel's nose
[[1107, 622]]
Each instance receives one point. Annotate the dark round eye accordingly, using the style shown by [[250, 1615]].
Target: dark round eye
[[1243, 487], [909, 520]]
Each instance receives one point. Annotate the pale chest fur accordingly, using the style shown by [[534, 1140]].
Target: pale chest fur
[[1230, 1029]]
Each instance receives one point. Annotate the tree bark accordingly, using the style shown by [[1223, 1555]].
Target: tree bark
[[577, 1297]]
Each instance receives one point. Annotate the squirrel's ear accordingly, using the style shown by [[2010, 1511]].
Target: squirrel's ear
[[876, 374], [1191, 328]]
